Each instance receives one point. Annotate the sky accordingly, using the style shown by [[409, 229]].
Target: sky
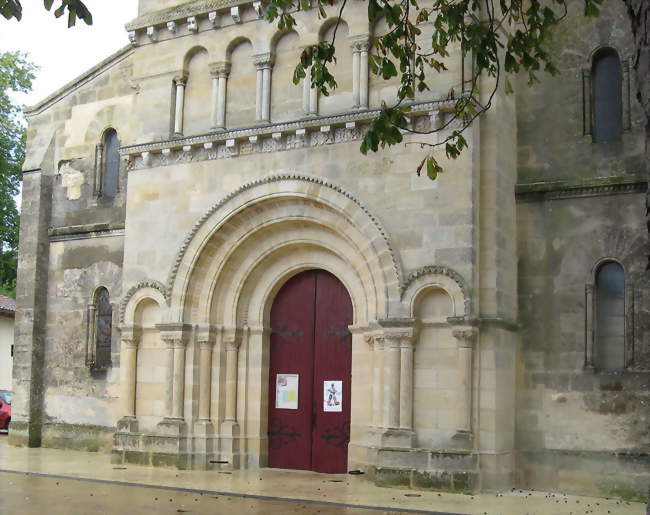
[[62, 53]]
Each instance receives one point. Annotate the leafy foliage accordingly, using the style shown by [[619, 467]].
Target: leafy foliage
[[502, 37], [16, 74], [75, 9]]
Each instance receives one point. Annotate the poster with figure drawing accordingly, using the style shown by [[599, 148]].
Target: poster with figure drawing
[[333, 396], [286, 391]]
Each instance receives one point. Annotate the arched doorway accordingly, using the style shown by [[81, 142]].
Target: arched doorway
[[310, 374]]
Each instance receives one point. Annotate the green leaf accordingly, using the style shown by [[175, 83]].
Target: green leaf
[[433, 168]]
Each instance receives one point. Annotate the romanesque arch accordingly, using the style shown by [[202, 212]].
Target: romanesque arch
[[249, 243]]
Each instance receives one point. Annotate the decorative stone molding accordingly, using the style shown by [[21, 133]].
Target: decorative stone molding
[[314, 132], [446, 271], [215, 19], [264, 60], [259, 9], [551, 190], [171, 27], [176, 335], [132, 291], [180, 80], [465, 336], [152, 34], [234, 14], [269, 180], [361, 43], [220, 69], [192, 24]]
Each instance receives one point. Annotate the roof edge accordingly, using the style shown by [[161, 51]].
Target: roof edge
[[79, 81]]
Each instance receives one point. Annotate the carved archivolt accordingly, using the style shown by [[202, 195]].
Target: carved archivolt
[[140, 286], [426, 275], [272, 179]]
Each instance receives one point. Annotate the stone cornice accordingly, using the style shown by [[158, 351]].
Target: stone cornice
[[590, 187], [183, 11], [72, 232], [190, 18], [309, 132]]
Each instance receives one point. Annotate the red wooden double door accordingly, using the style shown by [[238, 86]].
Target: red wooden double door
[[310, 374]]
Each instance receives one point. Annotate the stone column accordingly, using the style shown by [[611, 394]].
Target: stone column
[[395, 336], [363, 74], [169, 376], [313, 97], [406, 383], [232, 348], [263, 63], [180, 83], [465, 338], [355, 75], [175, 337], [128, 369], [391, 345], [179, 377], [220, 72], [215, 97], [129, 362], [230, 426], [360, 47], [377, 379], [306, 91], [206, 345]]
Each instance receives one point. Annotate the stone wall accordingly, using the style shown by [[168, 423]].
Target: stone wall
[[579, 202]]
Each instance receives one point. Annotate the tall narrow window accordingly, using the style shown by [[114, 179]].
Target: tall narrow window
[[103, 328], [111, 164], [609, 341], [607, 86]]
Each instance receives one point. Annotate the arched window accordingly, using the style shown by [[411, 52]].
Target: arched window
[[103, 329], [607, 94], [609, 337], [110, 168]]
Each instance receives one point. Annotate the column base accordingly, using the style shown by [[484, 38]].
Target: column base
[[230, 444], [172, 427], [463, 439], [397, 438], [127, 425]]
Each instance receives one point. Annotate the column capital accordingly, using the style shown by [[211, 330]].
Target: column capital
[[206, 336], [360, 43], [232, 337], [220, 69], [263, 61], [174, 335], [181, 79], [130, 335], [395, 332], [466, 336]]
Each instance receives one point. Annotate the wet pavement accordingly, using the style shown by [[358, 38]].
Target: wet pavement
[[51, 481]]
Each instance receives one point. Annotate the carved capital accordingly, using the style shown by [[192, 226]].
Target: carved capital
[[360, 43], [263, 61], [465, 336], [130, 336], [206, 337], [180, 80], [232, 337], [220, 69], [131, 342], [174, 335]]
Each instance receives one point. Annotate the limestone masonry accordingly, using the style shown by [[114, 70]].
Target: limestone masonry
[[500, 334]]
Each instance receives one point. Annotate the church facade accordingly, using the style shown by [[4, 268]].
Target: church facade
[[212, 276]]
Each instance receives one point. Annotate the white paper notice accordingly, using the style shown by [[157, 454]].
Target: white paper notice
[[333, 396], [286, 391]]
